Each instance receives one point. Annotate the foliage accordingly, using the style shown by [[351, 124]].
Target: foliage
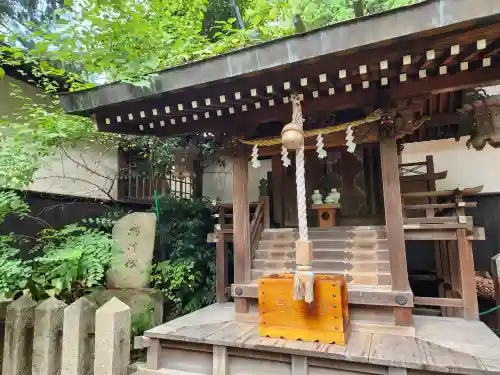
[[141, 321], [11, 202], [14, 272], [174, 279], [186, 267], [73, 259], [17, 15]]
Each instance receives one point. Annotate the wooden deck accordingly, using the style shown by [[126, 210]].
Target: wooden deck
[[448, 345]]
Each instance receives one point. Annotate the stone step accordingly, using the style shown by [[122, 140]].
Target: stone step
[[360, 278], [325, 265], [333, 244], [331, 254]]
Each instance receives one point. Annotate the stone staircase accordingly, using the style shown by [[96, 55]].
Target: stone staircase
[[360, 253]]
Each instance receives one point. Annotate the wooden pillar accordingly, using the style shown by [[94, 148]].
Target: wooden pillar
[[277, 188], [467, 276], [221, 268], [241, 227], [394, 223], [266, 211]]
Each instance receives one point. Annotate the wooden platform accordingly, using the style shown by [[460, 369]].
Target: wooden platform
[[193, 344]]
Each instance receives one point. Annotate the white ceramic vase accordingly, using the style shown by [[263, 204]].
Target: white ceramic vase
[[317, 198], [333, 197]]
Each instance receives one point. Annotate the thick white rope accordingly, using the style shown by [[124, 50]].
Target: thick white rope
[[301, 193]]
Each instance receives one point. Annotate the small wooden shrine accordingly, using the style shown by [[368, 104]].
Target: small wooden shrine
[[365, 88]]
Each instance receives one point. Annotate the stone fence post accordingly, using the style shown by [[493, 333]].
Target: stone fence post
[[112, 339], [78, 337], [47, 343], [56, 339], [18, 343]]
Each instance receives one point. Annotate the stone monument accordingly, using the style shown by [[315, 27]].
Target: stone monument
[[134, 236]]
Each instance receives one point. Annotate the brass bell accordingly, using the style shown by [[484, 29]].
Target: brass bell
[[292, 136]]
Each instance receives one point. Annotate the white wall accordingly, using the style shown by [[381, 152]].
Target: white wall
[[218, 182], [466, 168], [87, 172], [83, 172]]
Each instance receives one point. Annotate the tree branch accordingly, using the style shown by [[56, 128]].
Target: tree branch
[[98, 187]]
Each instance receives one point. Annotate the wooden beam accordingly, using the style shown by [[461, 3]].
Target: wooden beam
[[435, 220], [467, 276], [394, 224], [281, 112], [356, 295], [393, 212], [438, 206], [241, 227], [277, 174], [425, 177], [221, 269], [431, 301]]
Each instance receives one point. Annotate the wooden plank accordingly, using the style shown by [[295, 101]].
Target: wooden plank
[[241, 227], [439, 357], [221, 269], [299, 365], [444, 193], [439, 270], [393, 212], [397, 371], [220, 361], [438, 226], [445, 263], [467, 276], [430, 235], [434, 220], [431, 301], [344, 367], [438, 206], [196, 333], [396, 351], [357, 295], [153, 355], [425, 177], [403, 316], [454, 275], [231, 333], [431, 184]]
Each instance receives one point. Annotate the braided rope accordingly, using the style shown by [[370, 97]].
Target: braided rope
[[301, 193], [375, 116]]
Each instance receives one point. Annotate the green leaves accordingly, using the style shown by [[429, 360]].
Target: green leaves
[[2, 72], [14, 272], [74, 259], [186, 271], [11, 202]]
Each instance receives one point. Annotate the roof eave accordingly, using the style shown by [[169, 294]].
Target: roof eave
[[343, 37]]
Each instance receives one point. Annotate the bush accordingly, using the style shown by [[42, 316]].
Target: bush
[[185, 269]]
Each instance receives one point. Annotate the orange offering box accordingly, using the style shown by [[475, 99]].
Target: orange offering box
[[325, 320]]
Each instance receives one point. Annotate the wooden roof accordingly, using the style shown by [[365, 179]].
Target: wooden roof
[[429, 48]]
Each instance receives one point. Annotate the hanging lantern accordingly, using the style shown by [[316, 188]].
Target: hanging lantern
[[184, 164], [292, 134]]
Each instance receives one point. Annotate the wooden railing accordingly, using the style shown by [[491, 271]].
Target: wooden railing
[[141, 187], [259, 220], [452, 231]]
